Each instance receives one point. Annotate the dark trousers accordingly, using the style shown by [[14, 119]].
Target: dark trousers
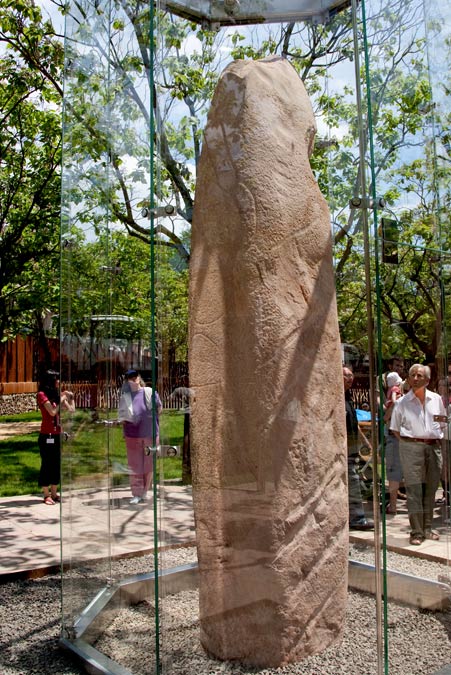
[[49, 473], [356, 512]]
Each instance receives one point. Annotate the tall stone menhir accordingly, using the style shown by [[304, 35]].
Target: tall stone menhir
[[268, 431]]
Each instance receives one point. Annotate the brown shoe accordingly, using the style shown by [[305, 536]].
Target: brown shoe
[[432, 534]]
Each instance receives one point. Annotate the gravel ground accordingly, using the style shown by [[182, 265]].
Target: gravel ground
[[30, 626]]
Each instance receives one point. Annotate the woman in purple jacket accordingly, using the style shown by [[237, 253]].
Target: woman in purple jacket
[[137, 415]]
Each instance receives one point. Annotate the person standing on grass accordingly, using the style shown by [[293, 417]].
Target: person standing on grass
[[50, 404], [137, 416]]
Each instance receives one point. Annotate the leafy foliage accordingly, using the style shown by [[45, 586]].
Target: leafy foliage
[[112, 111], [30, 155]]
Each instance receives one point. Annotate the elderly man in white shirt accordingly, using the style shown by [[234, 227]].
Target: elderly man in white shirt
[[417, 420]]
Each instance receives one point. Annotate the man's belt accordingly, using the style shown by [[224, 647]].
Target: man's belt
[[427, 441]]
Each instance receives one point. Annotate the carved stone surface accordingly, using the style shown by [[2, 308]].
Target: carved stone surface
[[268, 430]]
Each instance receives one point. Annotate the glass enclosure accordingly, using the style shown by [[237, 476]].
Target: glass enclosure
[[216, 509], [105, 329]]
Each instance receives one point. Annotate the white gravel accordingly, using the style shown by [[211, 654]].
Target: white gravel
[[419, 641]]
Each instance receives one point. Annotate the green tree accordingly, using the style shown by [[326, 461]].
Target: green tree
[[109, 118], [113, 279], [30, 155], [406, 175], [401, 92]]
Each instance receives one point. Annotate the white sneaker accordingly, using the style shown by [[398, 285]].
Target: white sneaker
[[135, 500]]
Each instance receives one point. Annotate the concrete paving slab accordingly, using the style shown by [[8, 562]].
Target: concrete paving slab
[[30, 531], [397, 531], [98, 523]]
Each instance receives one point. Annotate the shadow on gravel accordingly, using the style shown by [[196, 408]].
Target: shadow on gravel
[[30, 629]]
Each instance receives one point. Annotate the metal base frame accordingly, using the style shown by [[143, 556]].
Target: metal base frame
[[404, 588]]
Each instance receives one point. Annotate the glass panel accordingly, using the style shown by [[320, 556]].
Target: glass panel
[[108, 521], [85, 466], [231, 324], [244, 483], [405, 50]]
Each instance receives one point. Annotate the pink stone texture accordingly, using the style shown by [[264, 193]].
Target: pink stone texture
[[268, 428]]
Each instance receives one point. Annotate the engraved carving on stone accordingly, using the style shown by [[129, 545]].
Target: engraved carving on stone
[[268, 433]]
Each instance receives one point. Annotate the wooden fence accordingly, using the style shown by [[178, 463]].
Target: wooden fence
[[19, 361], [16, 366], [105, 395]]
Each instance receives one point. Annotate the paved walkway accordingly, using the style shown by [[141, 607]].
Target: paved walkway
[[397, 536], [30, 530]]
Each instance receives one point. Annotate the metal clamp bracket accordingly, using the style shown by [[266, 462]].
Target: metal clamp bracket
[[162, 450], [159, 211], [367, 203]]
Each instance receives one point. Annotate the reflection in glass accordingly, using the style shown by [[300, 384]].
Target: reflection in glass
[[105, 303], [108, 211]]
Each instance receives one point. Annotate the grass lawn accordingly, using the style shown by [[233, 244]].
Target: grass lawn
[[92, 454], [34, 416]]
